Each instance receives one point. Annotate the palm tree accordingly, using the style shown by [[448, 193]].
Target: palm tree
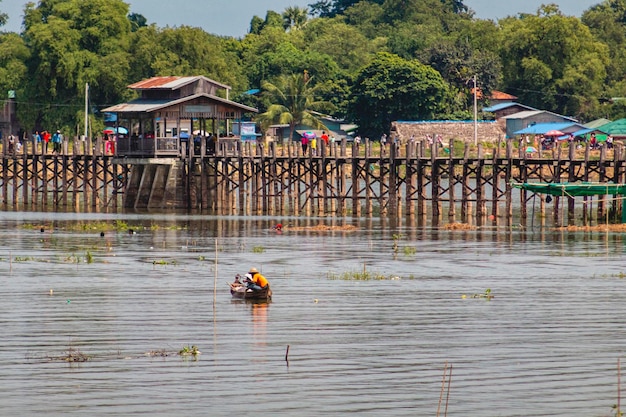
[[293, 103], [295, 17]]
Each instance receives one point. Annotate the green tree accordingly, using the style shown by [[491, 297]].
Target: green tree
[[73, 42], [392, 88], [331, 8], [294, 18], [137, 21], [3, 18], [343, 43], [607, 21], [184, 50], [552, 62], [293, 101]]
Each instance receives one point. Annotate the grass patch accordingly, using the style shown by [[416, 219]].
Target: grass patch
[[360, 276]]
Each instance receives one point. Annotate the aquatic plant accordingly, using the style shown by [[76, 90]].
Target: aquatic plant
[[360, 276], [164, 262], [487, 295], [409, 250], [89, 257], [23, 258], [189, 351], [258, 249], [74, 355], [396, 238], [160, 353]]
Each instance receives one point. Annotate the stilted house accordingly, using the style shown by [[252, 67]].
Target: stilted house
[[172, 113]]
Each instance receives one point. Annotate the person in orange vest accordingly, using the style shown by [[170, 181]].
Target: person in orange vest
[[257, 282]]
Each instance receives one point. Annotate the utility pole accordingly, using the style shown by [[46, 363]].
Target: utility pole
[[475, 112], [86, 110]]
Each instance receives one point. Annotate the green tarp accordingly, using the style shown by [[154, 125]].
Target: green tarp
[[573, 189]]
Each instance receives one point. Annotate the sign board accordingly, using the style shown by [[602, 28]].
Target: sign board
[[11, 93], [248, 129]]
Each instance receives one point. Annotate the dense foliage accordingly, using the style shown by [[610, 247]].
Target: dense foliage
[[370, 61]]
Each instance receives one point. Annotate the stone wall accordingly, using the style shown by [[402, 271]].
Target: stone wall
[[488, 131]]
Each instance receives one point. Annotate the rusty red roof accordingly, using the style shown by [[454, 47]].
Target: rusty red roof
[[499, 95], [171, 83]]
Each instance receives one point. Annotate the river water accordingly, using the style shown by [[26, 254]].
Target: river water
[[123, 305]]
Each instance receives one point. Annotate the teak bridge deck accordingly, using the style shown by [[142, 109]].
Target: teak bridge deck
[[415, 179]]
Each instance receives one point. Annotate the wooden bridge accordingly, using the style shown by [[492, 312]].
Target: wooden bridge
[[469, 185]]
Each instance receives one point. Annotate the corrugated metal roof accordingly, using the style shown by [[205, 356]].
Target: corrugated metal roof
[[531, 113], [139, 106], [616, 128], [499, 95], [214, 98], [597, 123], [155, 82], [523, 114], [541, 128], [136, 106], [171, 83], [502, 106]]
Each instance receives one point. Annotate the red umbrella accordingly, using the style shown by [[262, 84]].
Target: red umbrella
[[554, 133]]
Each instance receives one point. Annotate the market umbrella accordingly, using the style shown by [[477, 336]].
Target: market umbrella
[[531, 149], [111, 130], [554, 133], [308, 135]]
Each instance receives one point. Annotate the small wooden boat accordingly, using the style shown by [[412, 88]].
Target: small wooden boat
[[240, 292]]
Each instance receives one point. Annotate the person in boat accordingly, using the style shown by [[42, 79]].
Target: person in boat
[[255, 281], [237, 281]]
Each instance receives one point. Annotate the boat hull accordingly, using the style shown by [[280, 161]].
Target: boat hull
[[241, 293]]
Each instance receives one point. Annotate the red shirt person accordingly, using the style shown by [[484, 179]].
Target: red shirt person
[[325, 137]]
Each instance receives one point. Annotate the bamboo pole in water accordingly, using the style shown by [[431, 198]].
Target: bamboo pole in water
[[215, 280], [445, 413], [443, 385], [619, 389]]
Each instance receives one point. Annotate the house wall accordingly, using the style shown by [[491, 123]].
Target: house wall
[[513, 125], [487, 130]]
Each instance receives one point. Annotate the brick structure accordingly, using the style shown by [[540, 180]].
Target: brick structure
[[488, 131]]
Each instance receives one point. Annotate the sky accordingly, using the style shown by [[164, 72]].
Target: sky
[[232, 17]]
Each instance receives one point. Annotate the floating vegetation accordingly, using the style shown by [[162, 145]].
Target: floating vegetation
[[73, 355], [459, 226], [409, 250], [189, 351], [159, 353], [101, 226], [258, 249], [360, 276], [599, 228], [201, 258], [164, 262], [89, 257], [486, 295], [24, 258], [323, 228]]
